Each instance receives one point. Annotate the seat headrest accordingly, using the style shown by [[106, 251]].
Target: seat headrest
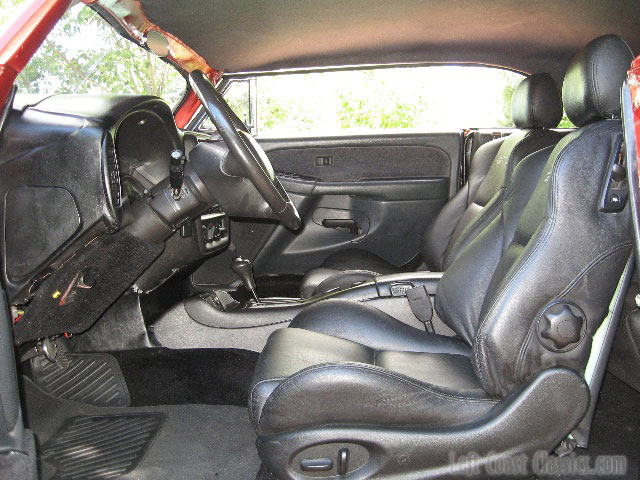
[[536, 102], [591, 87]]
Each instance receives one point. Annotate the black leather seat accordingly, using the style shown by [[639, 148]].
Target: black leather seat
[[536, 107], [525, 298]]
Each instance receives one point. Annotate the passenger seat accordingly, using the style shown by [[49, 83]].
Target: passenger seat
[[536, 107]]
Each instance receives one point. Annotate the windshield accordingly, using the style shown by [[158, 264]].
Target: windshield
[[84, 54]]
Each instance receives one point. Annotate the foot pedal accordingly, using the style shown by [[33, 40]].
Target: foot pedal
[[95, 379], [96, 447]]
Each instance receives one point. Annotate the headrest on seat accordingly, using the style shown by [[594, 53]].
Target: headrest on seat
[[536, 102], [591, 87]]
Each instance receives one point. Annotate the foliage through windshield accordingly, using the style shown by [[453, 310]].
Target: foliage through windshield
[[84, 54]]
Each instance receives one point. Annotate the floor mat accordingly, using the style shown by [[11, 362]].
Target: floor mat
[[93, 378], [200, 442], [96, 447]]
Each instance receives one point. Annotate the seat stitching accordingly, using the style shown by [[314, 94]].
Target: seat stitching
[[594, 74], [380, 371]]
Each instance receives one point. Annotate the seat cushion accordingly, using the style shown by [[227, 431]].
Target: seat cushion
[[303, 375], [322, 280], [369, 326]]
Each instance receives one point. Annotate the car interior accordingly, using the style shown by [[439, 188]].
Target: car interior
[[187, 296]]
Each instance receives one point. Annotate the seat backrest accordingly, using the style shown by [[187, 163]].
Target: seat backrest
[[464, 284], [535, 107], [554, 281]]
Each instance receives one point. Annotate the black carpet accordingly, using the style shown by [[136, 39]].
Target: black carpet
[[162, 376], [265, 474], [195, 442]]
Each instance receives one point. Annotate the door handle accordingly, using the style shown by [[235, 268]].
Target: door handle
[[346, 223]]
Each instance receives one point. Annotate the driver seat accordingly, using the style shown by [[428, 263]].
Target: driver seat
[[348, 390]]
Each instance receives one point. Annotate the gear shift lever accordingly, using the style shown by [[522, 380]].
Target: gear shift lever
[[244, 269]]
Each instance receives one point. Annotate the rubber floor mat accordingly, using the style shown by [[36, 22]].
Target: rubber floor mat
[[95, 379], [96, 447]]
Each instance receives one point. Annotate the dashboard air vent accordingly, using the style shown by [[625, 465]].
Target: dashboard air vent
[[113, 172]]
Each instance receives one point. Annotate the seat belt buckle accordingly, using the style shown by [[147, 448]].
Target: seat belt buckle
[[421, 306]]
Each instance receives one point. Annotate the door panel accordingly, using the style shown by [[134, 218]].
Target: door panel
[[353, 159], [376, 193]]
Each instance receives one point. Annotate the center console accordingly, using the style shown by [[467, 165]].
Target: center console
[[227, 310]]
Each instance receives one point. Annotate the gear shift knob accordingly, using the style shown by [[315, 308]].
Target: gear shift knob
[[244, 269]]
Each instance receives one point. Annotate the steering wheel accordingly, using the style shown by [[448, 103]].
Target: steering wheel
[[247, 153]]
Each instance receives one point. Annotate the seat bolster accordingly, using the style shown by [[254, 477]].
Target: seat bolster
[[323, 280], [344, 280], [361, 394], [290, 350], [259, 394], [315, 277], [343, 269], [369, 326]]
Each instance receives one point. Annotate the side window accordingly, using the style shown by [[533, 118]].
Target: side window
[[351, 102], [84, 54], [237, 95]]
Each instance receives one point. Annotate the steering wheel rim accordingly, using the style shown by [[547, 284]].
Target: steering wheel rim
[[248, 154]]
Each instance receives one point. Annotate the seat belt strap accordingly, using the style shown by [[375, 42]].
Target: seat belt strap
[[421, 306]]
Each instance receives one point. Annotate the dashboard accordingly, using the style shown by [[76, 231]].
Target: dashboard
[[71, 167]]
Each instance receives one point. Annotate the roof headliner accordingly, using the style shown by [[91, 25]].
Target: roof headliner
[[255, 35]]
